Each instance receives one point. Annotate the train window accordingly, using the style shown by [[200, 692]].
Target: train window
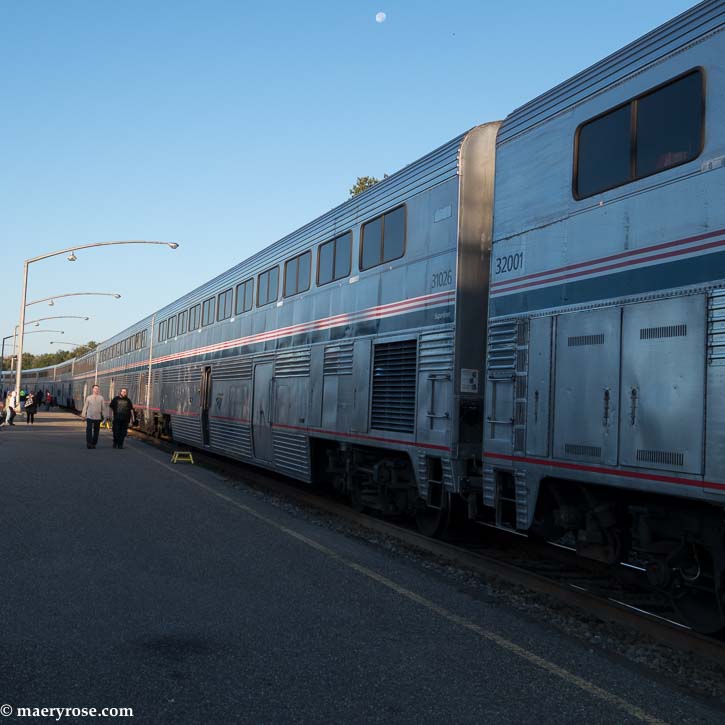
[[267, 286], [171, 329], [297, 274], [245, 292], [143, 339], [224, 304], [207, 312], [162, 331], [651, 133], [194, 317], [333, 259], [181, 325], [383, 239], [669, 125]]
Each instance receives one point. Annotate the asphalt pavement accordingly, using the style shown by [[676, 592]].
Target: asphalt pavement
[[129, 582]]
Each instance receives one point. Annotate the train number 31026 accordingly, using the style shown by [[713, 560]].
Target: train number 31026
[[509, 263], [441, 279]]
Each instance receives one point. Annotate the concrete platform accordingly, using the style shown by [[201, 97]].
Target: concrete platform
[[129, 582]]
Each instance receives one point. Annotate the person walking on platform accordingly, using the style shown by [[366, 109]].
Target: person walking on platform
[[93, 414], [30, 408], [48, 398], [11, 403], [123, 415]]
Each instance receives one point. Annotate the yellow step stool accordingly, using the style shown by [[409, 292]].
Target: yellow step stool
[[182, 457]]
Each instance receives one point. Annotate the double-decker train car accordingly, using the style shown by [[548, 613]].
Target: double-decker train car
[[606, 330], [341, 353], [530, 321]]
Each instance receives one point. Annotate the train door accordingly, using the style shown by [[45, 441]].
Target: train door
[[205, 404], [663, 384], [261, 412], [586, 394]]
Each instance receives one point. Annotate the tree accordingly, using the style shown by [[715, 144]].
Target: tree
[[362, 183]]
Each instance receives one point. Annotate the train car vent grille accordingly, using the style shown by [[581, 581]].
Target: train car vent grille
[[579, 340], [667, 458], [576, 449], [338, 359], [393, 398], [294, 363], [653, 333]]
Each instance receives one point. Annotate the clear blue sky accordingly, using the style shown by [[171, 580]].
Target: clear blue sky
[[224, 125]]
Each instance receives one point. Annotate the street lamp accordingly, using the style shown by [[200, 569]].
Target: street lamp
[[72, 294], [75, 344], [71, 258]]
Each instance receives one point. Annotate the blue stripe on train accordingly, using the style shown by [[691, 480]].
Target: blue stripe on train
[[707, 268]]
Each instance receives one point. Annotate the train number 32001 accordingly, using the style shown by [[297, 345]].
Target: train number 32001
[[509, 263]]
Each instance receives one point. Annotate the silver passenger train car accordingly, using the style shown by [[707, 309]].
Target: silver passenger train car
[[530, 320]]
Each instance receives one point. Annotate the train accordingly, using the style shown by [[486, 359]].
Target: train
[[525, 327]]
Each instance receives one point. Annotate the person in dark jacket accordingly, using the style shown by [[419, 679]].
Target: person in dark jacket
[[30, 408], [123, 415]]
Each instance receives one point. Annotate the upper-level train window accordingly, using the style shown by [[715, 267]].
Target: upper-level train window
[[297, 274], [383, 239], [171, 329], [207, 312], [194, 315], [651, 133], [224, 304], [267, 286], [162, 331], [245, 292], [334, 258], [181, 322]]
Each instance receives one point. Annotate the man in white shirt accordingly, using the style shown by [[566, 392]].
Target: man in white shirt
[[92, 413]]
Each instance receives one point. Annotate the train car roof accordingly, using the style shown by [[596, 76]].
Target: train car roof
[[681, 31]]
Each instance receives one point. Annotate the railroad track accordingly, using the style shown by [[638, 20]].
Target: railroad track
[[620, 597]]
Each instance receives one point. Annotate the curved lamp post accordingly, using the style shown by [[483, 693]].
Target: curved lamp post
[[52, 298], [71, 258], [75, 344]]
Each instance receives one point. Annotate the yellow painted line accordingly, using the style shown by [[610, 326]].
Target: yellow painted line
[[505, 644]]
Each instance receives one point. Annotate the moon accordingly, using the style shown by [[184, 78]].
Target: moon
[[380, 17]]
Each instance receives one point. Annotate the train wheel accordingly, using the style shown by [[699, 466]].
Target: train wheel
[[433, 521], [697, 593]]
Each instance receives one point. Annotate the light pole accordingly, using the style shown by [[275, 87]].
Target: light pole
[[61, 342], [71, 258], [52, 298], [37, 321]]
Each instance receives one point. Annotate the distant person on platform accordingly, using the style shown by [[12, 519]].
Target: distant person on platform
[[93, 414], [48, 399], [31, 408], [123, 416]]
